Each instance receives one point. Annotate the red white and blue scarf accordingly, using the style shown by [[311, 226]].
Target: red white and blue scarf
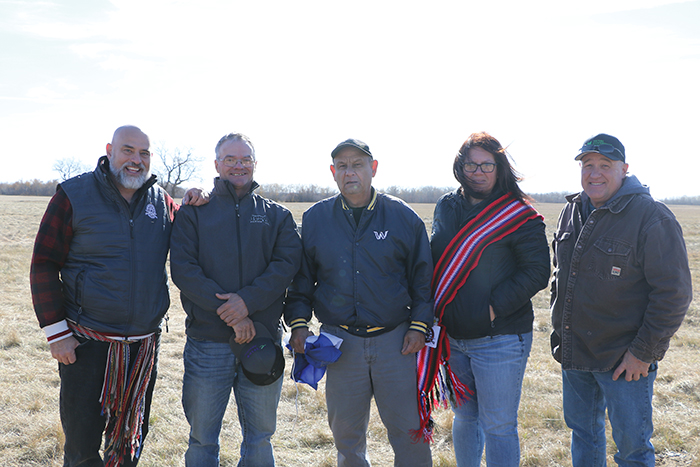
[[497, 220]]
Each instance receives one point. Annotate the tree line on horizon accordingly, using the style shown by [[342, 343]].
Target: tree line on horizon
[[309, 193]]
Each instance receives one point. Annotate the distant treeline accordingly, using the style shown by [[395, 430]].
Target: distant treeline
[[312, 193], [560, 197], [29, 188]]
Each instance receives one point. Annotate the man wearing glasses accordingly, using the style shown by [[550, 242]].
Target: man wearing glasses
[[621, 289], [366, 274], [232, 261]]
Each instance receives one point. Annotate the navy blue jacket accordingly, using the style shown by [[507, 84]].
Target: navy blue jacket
[[374, 274], [249, 246]]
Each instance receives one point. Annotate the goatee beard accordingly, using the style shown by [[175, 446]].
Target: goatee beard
[[127, 181]]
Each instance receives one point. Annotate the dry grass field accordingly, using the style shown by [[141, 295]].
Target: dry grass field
[[30, 431]]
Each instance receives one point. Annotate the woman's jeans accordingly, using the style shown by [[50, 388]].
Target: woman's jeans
[[493, 367]]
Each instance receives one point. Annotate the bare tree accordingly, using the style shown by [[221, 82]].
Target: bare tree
[[177, 166], [69, 167]]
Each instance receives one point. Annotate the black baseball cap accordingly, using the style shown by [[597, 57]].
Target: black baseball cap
[[261, 359], [607, 145], [351, 143]]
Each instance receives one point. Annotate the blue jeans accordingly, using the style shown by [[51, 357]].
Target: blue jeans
[[211, 370], [81, 387], [493, 367], [586, 396], [374, 366]]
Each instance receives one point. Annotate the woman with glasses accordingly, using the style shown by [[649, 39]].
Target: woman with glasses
[[491, 257]]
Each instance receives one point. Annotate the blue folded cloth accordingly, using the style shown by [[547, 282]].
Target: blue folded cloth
[[321, 350]]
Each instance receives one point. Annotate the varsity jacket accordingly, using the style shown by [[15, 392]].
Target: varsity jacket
[[375, 274]]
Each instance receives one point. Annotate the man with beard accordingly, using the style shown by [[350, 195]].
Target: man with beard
[[99, 289]]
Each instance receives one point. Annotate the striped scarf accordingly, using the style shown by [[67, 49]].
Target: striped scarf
[[497, 220], [123, 395]]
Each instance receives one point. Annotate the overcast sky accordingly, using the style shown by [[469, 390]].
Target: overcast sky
[[411, 79]]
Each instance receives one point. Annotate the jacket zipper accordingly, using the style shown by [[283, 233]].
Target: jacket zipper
[[139, 195], [132, 256], [240, 248]]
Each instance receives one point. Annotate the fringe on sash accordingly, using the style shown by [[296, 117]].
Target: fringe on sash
[[437, 384], [123, 397]]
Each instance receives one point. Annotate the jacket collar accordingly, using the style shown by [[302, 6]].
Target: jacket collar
[[225, 188], [103, 173], [461, 199], [370, 207], [619, 201]]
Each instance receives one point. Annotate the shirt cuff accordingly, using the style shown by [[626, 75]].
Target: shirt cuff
[[57, 331]]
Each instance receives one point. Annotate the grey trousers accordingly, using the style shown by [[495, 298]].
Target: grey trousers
[[374, 366]]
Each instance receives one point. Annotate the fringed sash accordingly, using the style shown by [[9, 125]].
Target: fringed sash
[[123, 392], [500, 218]]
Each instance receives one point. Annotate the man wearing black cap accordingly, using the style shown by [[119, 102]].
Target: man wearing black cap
[[233, 261], [621, 288], [366, 274]]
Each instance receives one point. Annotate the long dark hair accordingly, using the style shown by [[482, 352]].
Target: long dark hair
[[507, 177]]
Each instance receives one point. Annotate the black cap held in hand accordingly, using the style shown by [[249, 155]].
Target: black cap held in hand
[[261, 359]]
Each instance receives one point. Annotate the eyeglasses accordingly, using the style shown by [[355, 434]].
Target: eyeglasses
[[486, 167], [232, 161], [607, 149]]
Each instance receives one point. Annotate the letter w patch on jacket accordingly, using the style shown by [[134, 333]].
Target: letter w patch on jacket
[[381, 235]]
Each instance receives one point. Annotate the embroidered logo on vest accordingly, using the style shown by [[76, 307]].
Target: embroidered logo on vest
[[381, 235], [259, 219], [151, 211]]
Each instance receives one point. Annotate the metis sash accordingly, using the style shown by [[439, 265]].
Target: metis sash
[[123, 396], [497, 220]]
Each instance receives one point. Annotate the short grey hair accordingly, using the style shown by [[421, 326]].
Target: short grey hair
[[234, 137]]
